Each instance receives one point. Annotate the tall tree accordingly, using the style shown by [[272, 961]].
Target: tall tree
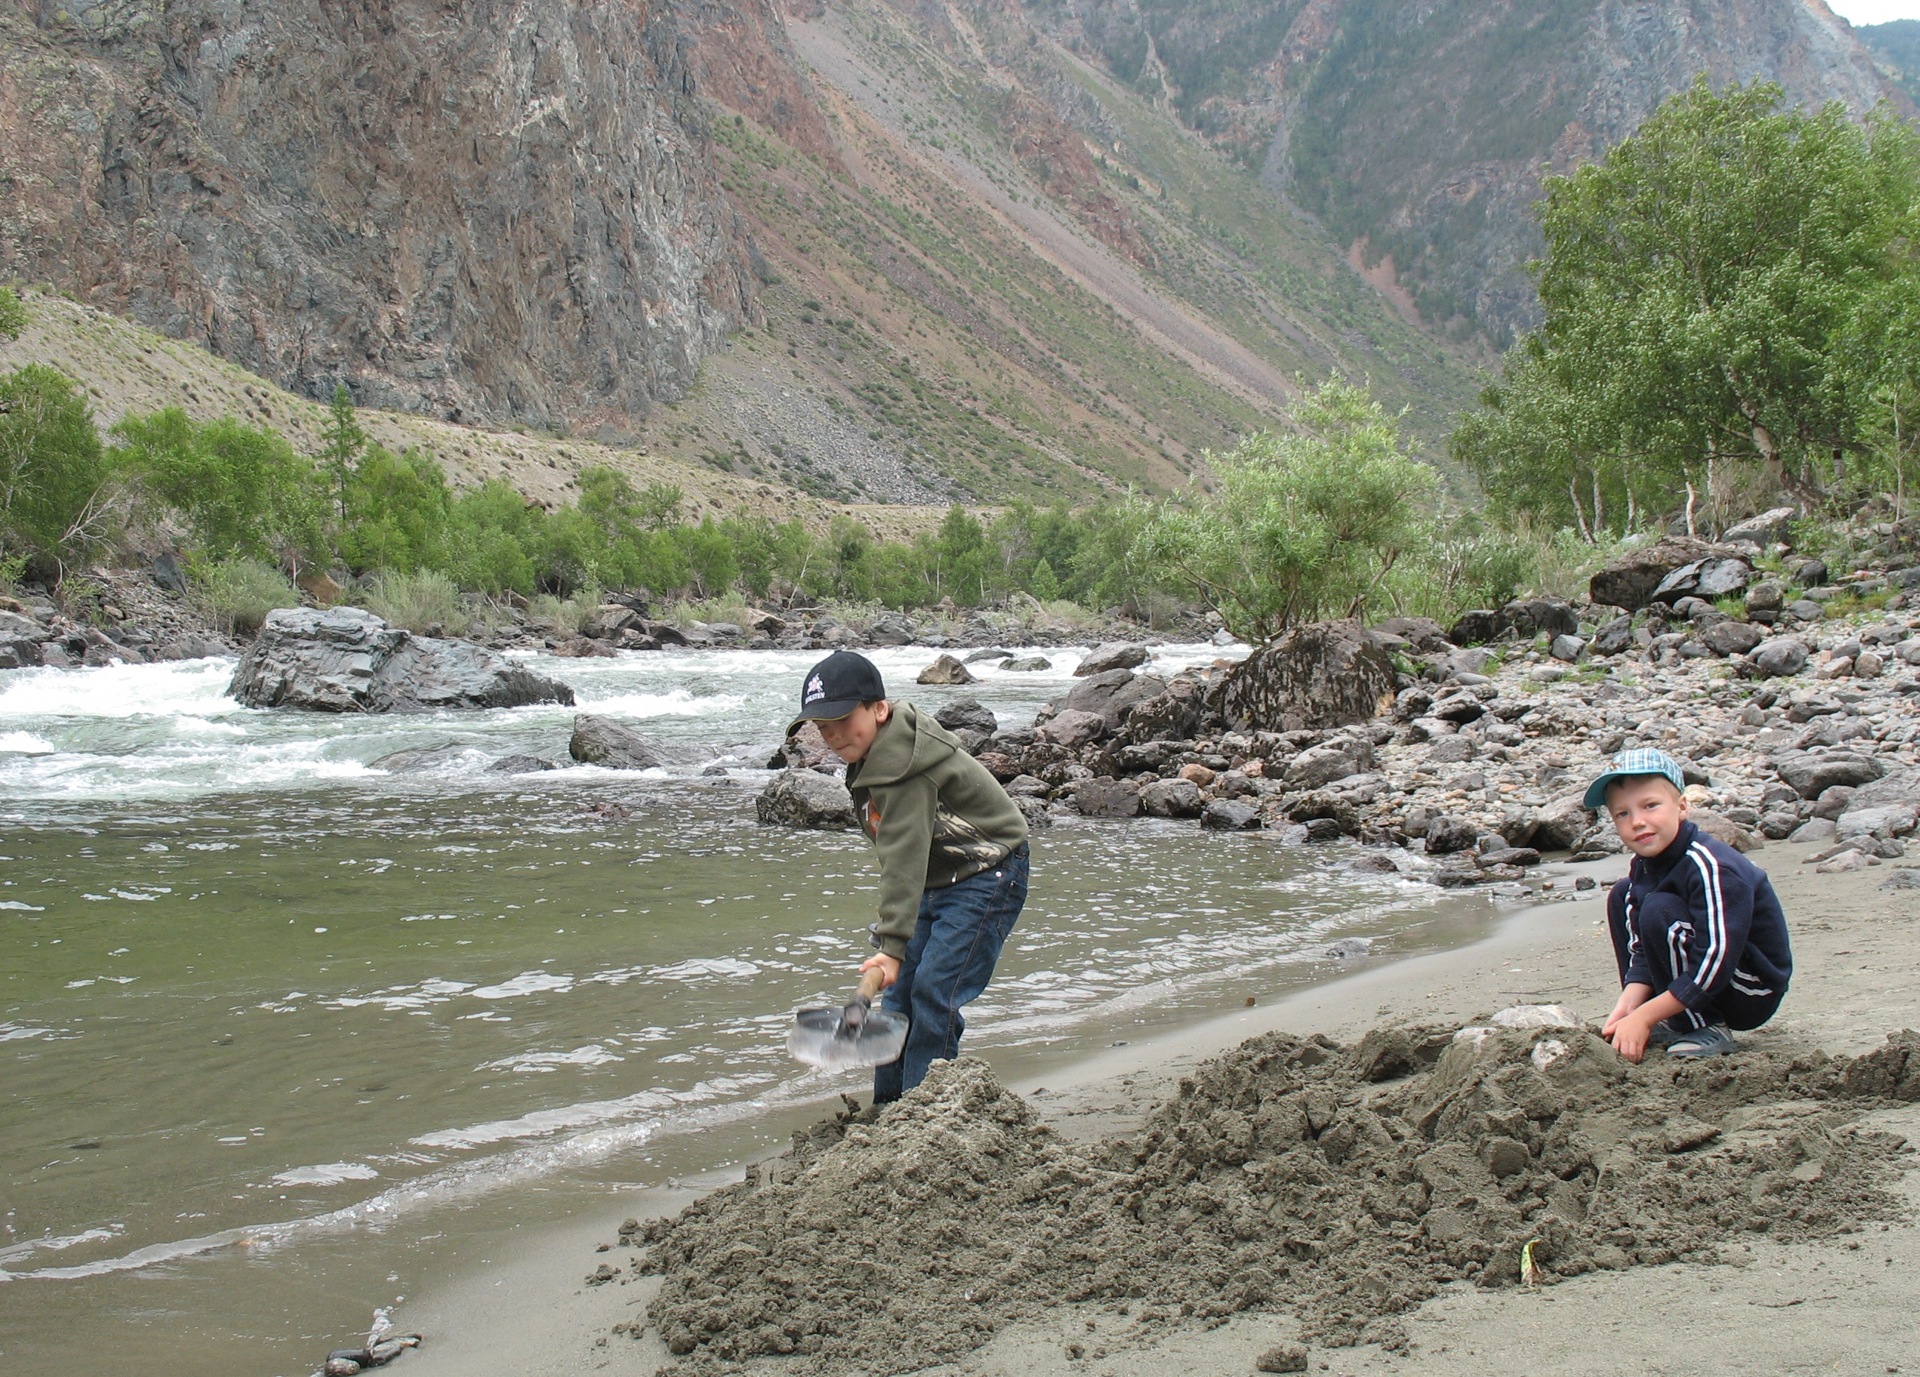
[[1697, 285]]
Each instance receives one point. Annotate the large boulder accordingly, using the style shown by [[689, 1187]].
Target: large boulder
[[946, 670], [1114, 694], [20, 639], [1713, 577], [1174, 715], [1731, 637], [805, 798], [1172, 798], [345, 659], [967, 714], [1072, 728], [1112, 655], [1106, 797], [803, 750], [1629, 580], [1318, 766], [1765, 528], [605, 742], [1529, 617], [1779, 658], [1327, 674], [1811, 773]]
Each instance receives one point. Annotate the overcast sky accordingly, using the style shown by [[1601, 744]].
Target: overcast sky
[[1857, 12]]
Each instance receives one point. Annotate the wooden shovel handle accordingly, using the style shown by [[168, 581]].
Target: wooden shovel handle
[[870, 984]]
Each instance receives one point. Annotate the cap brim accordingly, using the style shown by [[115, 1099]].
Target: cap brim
[[831, 711], [1597, 791]]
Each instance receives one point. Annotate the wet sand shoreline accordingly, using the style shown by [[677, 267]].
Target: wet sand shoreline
[[1818, 1303]]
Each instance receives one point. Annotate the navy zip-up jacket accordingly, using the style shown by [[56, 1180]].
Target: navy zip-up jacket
[[1739, 929]]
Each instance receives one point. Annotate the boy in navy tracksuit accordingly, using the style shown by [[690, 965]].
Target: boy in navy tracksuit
[[1698, 933]]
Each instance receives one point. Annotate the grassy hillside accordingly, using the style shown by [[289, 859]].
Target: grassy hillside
[[130, 371]]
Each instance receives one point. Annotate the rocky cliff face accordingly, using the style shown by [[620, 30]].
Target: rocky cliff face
[[1417, 133], [499, 209]]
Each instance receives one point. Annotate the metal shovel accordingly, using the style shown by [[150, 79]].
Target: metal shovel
[[856, 1035]]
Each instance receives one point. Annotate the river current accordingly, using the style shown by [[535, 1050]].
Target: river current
[[284, 1033]]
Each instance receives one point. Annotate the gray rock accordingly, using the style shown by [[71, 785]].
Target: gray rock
[[1568, 648], [1424, 634], [1350, 948], [1172, 798], [1072, 728], [1890, 820], [1897, 788], [1713, 577], [970, 713], [418, 760], [946, 670], [345, 659], [1114, 693], [1815, 831], [805, 798], [1530, 617], [1768, 595], [1323, 675], [1446, 835], [1106, 797], [1557, 825], [521, 765], [1321, 765], [1731, 637], [1477, 627], [1779, 658], [1812, 773], [1905, 878], [1615, 637], [991, 653], [18, 652], [1629, 580], [1027, 664], [1230, 815], [1112, 655], [1764, 529], [605, 742]]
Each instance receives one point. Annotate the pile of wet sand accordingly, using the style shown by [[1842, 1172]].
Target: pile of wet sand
[[1342, 1185]]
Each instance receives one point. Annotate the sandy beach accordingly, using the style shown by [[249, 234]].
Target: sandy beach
[[1836, 1304]]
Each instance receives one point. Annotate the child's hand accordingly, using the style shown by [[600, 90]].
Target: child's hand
[[1631, 998], [1629, 1036], [889, 967]]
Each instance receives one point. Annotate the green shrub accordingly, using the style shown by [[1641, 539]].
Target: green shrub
[[397, 512], [239, 593], [59, 494], [13, 314], [567, 615], [1301, 526], [421, 600], [245, 493]]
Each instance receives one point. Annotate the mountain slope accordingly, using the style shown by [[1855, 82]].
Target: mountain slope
[[1417, 133], [908, 252]]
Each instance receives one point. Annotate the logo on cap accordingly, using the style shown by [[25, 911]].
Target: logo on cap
[[816, 690]]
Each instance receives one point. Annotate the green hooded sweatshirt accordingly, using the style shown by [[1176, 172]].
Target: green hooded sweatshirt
[[934, 814]]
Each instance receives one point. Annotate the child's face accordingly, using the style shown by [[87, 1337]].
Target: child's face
[[851, 737], [1647, 813]]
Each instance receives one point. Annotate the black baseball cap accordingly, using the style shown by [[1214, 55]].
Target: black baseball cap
[[836, 686]]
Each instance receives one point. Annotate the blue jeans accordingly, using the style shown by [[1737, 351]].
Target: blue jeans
[[956, 941]]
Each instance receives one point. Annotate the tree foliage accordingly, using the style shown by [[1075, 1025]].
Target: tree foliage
[[1299, 526], [1701, 287], [13, 314], [57, 483]]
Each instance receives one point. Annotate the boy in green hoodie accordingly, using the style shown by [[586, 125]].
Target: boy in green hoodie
[[953, 856]]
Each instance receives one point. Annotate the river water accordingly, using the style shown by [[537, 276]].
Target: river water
[[285, 1035]]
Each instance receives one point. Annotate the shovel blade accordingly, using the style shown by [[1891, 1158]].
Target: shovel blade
[[820, 1037]]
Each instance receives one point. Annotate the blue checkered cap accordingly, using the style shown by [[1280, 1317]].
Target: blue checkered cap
[[1641, 760]]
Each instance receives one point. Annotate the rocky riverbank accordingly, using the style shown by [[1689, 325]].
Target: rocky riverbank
[[1463, 752]]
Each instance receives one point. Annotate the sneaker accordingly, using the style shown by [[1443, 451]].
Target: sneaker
[[1664, 1034], [1714, 1040]]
